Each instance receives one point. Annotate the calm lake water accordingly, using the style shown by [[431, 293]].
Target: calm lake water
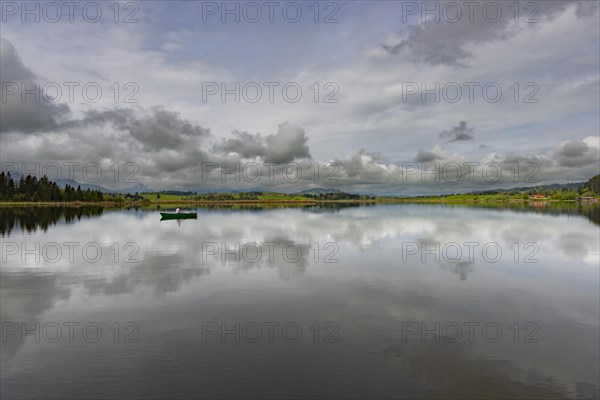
[[397, 301]]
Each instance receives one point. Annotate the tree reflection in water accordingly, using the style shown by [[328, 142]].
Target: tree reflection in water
[[29, 219]]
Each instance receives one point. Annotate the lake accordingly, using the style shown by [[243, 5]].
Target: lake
[[391, 301]]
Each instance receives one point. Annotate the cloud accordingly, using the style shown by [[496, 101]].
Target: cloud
[[12, 66], [244, 144], [426, 156], [288, 144], [444, 42], [420, 43], [458, 133], [575, 153], [25, 112], [155, 128]]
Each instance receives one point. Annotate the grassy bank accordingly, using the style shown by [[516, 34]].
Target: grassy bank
[[277, 199], [175, 202], [491, 198]]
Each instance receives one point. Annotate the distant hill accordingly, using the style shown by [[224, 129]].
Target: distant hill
[[139, 187], [177, 192], [84, 186], [318, 191], [552, 186]]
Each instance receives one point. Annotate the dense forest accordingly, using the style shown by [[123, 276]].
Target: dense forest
[[30, 188], [594, 184]]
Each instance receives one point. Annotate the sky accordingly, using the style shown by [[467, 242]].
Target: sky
[[385, 97]]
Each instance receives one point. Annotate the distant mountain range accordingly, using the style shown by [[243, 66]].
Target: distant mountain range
[[318, 191], [84, 186], [552, 186]]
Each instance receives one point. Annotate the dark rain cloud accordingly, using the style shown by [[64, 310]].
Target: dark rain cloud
[[444, 42], [458, 133], [288, 144], [155, 128], [25, 114], [576, 154], [426, 156]]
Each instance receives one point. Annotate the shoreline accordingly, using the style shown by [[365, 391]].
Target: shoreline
[[408, 200], [175, 202]]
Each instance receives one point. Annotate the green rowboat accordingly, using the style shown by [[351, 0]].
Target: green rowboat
[[181, 215]]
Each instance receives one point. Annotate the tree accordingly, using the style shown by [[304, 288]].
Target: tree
[[594, 184], [3, 182], [10, 186]]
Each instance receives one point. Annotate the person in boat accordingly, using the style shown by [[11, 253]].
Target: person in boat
[[177, 211]]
